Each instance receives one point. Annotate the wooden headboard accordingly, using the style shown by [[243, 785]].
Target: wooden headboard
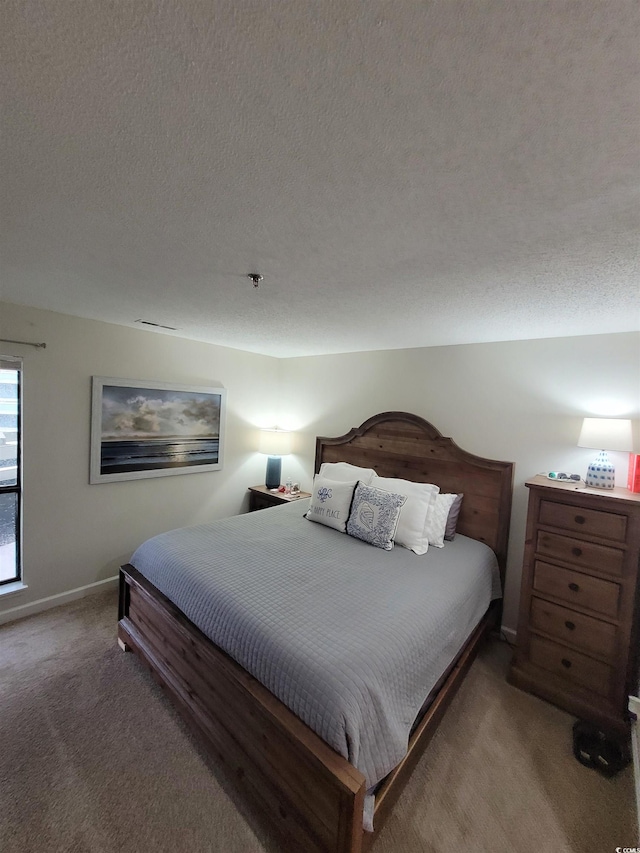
[[397, 444]]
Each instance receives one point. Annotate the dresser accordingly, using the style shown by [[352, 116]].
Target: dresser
[[578, 625]]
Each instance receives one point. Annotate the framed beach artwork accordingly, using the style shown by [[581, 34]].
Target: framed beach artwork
[[153, 429]]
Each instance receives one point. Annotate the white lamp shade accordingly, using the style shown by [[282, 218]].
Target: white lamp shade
[[606, 434], [275, 442]]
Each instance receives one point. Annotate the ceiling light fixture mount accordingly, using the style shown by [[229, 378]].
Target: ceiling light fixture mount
[[255, 277]]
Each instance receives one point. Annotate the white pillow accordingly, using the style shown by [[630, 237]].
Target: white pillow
[[374, 516], [437, 519], [331, 502], [342, 471], [413, 515]]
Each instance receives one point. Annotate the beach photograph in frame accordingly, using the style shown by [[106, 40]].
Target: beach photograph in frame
[[153, 429]]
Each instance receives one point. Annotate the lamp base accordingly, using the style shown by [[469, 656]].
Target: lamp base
[[274, 470], [601, 474]]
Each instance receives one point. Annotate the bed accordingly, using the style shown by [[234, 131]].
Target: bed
[[313, 796]]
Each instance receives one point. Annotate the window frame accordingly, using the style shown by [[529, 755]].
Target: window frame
[[15, 363]]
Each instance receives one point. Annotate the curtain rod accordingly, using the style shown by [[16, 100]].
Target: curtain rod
[[24, 343]]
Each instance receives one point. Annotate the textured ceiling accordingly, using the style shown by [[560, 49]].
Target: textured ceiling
[[403, 174]]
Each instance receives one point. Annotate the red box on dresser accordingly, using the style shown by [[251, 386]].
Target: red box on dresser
[[633, 480]]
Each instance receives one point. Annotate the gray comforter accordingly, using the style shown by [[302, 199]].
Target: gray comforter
[[350, 637]]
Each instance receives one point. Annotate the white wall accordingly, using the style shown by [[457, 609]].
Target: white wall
[[521, 401], [76, 534]]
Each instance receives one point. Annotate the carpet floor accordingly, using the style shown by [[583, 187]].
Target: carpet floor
[[94, 759]]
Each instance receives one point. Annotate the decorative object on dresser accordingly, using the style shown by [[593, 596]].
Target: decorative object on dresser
[[578, 627], [633, 477], [275, 443], [604, 434], [260, 497]]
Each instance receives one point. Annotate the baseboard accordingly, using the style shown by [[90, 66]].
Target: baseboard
[[50, 601], [510, 635]]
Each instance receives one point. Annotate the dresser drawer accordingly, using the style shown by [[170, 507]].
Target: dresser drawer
[[572, 666], [591, 522], [587, 555], [589, 634], [258, 501], [582, 590]]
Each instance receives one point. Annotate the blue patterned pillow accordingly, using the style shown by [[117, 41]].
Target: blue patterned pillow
[[374, 515]]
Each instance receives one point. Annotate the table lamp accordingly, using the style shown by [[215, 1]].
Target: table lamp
[[275, 443], [604, 434]]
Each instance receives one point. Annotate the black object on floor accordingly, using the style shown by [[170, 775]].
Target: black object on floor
[[598, 750]]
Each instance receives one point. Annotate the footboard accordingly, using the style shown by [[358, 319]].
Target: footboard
[[310, 795]]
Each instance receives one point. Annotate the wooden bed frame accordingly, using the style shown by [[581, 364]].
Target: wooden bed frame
[[311, 796]]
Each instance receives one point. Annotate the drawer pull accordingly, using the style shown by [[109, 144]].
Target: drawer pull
[[574, 587], [570, 625], [577, 552], [580, 519], [565, 663]]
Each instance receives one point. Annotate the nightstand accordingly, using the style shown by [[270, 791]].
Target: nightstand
[[260, 497], [579, 625]]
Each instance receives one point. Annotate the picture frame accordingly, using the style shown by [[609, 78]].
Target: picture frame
[[142, 428]]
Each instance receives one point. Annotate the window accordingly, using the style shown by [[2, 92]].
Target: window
[[10, 474]]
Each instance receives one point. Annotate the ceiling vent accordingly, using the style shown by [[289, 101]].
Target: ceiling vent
[[156, 325]]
